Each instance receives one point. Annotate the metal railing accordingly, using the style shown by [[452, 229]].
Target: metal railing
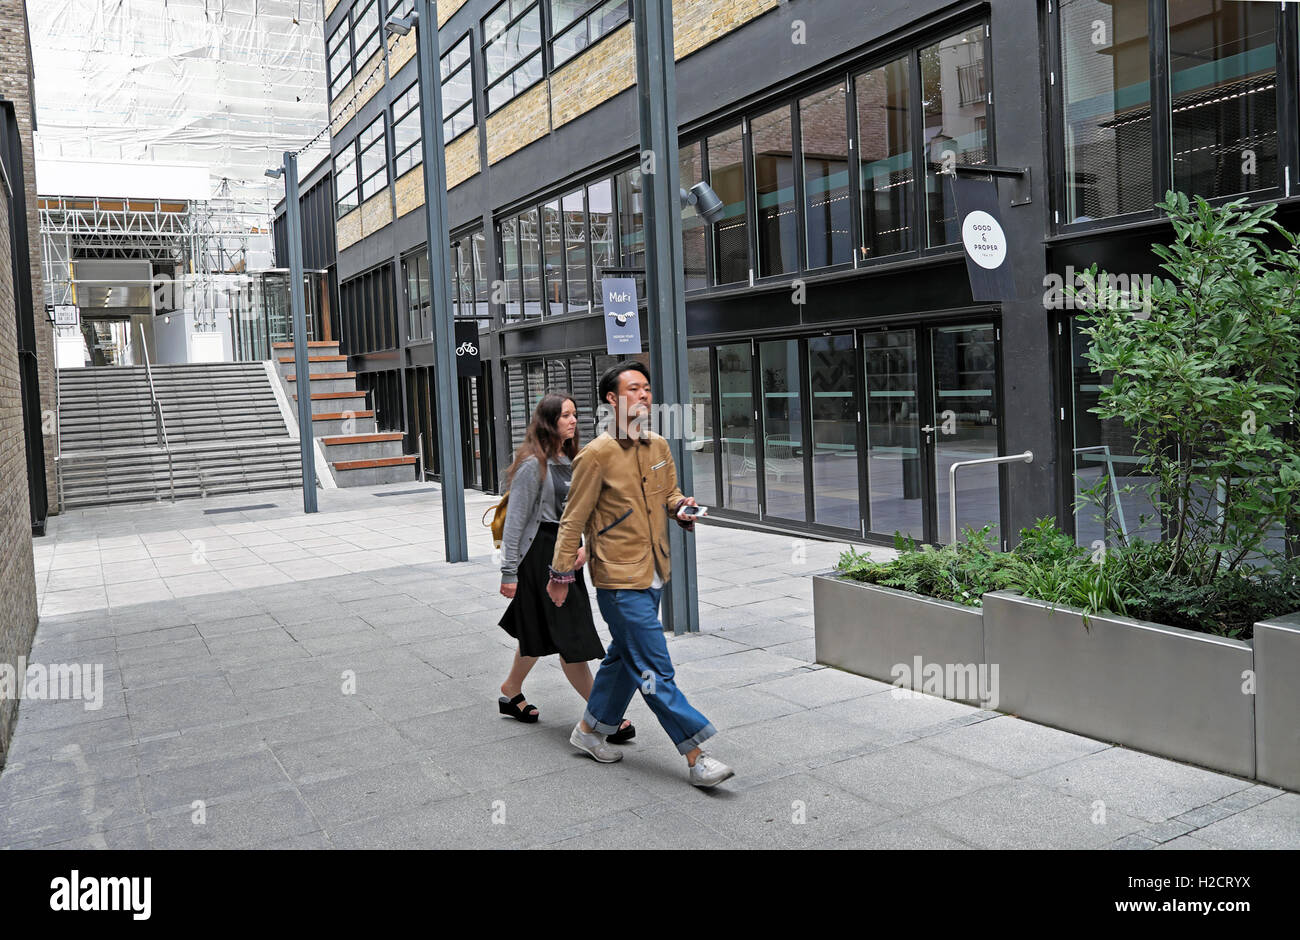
[[1026, 457], [159, 422]]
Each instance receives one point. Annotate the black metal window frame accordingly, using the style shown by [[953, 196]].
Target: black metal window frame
[[340, 41], [1288, 120], [789, 97], [364, 48], [491, 35], [345, 172], [607, 12], [538, 206], [458, 264], [453, 113], [406, 108], [372, 136]]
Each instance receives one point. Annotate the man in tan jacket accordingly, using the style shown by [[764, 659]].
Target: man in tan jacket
[[624, 488]]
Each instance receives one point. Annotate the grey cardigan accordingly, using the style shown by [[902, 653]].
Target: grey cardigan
[[524, 515]]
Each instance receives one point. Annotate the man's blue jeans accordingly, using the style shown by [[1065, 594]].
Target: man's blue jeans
[[637, 660]]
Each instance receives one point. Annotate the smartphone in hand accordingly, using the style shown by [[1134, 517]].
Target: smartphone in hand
[[693, 511]]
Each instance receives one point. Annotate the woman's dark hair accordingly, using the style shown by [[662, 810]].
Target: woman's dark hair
[[609, 379], [543, 439]]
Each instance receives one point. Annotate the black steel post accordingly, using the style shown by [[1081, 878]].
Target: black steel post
[[444, 333], [298, 308], [665, 290]]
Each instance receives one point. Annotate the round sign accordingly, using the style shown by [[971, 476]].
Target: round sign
[[984, 239]]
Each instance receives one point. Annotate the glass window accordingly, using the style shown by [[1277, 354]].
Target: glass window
[[736, 407], [339, 54], [510, 268], [885, 151], [1106, 87], [365, 30], [531, 263], [954, 108], [457, 91], [700, 444], [406, 131], [345, 178], [690, 168], [575, 250], [482, 291], [512, 50], [576, 24], [553, 251], [731, 234], [464, 261], [824, 148], [373, 158], [631, 219], [600, 217], [778, 231], [1223, 91]]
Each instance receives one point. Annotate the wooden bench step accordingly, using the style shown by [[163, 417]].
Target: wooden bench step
[[312, 344], [368, 464], [342, 415], [362, 439], [288, 360], [322, 377]]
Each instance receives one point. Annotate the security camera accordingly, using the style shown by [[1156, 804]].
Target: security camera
[[706, 202]]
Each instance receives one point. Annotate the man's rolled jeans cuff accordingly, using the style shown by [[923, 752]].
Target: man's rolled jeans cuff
[[596, 725], [697, 739]]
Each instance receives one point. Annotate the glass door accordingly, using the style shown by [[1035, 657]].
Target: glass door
[[832, 380], [896, 485], [737, 418], [964, 425], [783, 443]]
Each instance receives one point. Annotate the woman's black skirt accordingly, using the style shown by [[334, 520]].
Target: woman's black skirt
[[533, 619]]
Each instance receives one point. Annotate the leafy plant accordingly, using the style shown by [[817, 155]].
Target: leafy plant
[[1203, 373]]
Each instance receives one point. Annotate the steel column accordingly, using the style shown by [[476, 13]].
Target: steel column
[[298, 307]]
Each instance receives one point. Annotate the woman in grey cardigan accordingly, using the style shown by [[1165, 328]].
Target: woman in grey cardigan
[[538, 481]]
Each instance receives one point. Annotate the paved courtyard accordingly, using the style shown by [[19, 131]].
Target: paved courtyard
[[282, 681]]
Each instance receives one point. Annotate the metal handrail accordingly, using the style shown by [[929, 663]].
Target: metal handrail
[[159, 422], [1026, 457], [1114, 487]]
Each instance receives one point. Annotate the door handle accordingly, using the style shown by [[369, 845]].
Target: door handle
[[928, 429]]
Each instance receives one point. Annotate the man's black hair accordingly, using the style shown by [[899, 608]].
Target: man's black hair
[[609, 379]]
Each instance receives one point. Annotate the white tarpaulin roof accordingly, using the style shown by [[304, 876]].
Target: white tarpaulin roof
[[222, 85]]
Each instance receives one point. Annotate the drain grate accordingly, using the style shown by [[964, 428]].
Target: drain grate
[[213, 512]]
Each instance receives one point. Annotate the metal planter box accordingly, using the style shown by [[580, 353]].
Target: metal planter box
[[1160, 689], [892, 635], [1277, 701]]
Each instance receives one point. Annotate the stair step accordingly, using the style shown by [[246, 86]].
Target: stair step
[[368, 464], [361, 439]]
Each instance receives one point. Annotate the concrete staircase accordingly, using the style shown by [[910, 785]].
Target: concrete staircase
[[357, 453], [224, 424]]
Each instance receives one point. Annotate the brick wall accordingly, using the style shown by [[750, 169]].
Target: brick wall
[[373, 214], [696, 23], [18, 612], [587, 80], [519, 123], [343, 108], [462, 158], [15, 84]]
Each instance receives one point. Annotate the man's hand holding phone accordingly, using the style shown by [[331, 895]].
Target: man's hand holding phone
[[688, 510]]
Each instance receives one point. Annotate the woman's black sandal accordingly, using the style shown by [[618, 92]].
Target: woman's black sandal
[[622, 735], [511, 707]]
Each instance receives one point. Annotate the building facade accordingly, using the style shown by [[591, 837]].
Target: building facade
[[837, 357]]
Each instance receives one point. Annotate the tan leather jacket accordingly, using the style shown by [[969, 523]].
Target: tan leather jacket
[[622, 495]]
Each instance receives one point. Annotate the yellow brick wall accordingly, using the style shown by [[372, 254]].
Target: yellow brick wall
[[696, 23], [446, 8], [519, 123], [403, 52], [376, 212], [588, 79], [347, 230], [409, 190], [462, 158], [330, 5], [340, 111]]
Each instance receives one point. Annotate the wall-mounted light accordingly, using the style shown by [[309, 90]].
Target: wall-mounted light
[[401, 25], [706, 202], [275, 174]]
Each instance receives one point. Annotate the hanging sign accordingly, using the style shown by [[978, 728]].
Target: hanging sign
[[622, 319], [468, 362], [988, 261], [66, 315]]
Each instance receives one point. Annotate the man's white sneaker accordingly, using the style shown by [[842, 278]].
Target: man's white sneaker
[[594, 744], [709, 772]]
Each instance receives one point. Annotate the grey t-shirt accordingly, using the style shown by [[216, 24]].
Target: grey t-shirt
[[559, 474]]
